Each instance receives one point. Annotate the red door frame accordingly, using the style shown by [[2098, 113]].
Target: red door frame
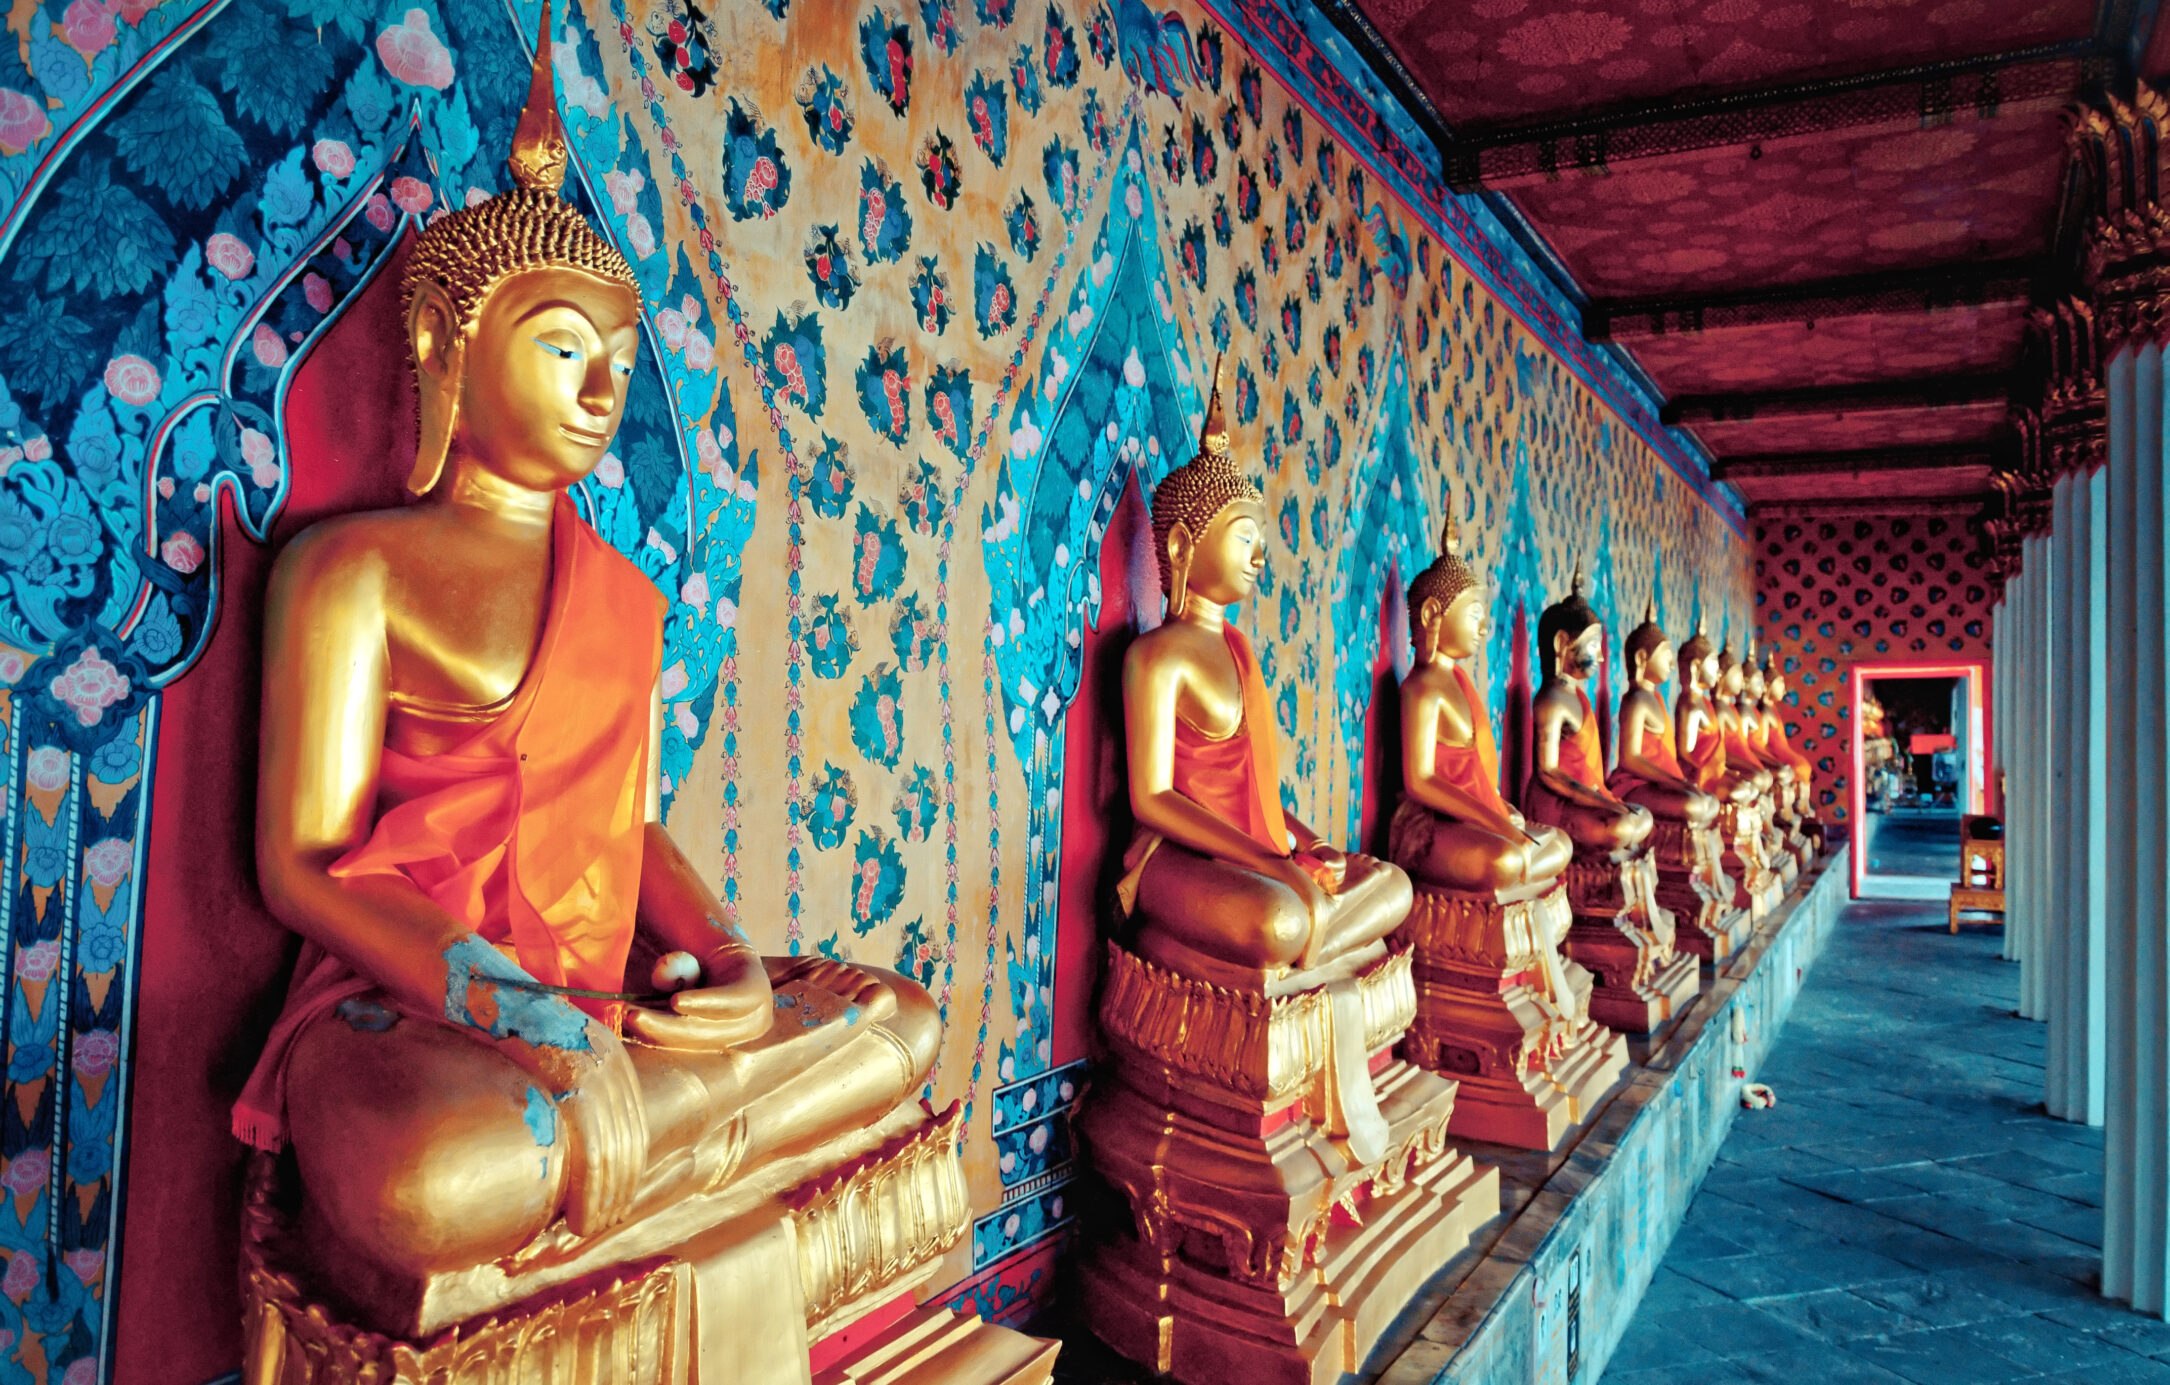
[[1977, 733]]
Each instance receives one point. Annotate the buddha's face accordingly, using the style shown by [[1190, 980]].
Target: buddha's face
[[1460, 628], [542, 375], [1226, 560], [1577, 657], [1774, 692], [1753, 683], [1729, 682], [1659, 663]]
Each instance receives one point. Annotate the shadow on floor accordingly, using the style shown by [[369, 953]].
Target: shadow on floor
[[1908, 1213]]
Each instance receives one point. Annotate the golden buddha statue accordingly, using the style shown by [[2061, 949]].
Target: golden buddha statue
[[1685, 844], [1250, 1009], [504, 1141], [1699, 732], [1621, 933], [1777, 743], [1736, 724], [1789, 790], [1498, 1007]]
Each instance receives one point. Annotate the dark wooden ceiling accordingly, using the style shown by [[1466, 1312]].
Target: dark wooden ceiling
[[1817, 226]]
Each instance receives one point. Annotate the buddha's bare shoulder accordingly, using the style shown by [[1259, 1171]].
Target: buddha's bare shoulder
[[1426, 680], [1553, 697], [343, 559]]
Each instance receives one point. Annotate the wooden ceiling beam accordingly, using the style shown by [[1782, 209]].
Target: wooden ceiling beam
[[2033, 80], [1885, 396], [1788, 466], [1883, 294]]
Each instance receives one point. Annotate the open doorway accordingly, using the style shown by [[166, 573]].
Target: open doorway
[[1919, 767]]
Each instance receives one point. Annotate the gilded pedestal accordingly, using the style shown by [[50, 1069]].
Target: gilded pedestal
[[1625, 939], [778, 1268], [1741, 827], [1500, 1011], [1693, 884], [1263, 1248]]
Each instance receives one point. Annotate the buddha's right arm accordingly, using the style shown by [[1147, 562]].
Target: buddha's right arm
[[322, 739], [1149, 695]]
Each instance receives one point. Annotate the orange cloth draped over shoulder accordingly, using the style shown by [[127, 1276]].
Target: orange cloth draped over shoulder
[[1776, 746], [530, 829], [1659, 748], [1472, 769], [1237, 777], [1739, 753], [1582, 755], [1705, 761]]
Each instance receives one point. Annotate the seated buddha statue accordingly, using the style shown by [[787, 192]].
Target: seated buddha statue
[[1705, 754], [1249, 1011], [487, 1091], [1789, 789], [1780, 745], [1738, 717], [1498, 1006], [1567, 782], [1691, 875], [1218, 873], [1452, 828]]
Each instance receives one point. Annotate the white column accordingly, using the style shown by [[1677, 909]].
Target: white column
[[2048, 973], [2074, 1073], [2136, 1144], [2027, 853]]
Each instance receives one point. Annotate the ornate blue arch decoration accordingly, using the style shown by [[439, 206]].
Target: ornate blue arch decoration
[[186, 266]]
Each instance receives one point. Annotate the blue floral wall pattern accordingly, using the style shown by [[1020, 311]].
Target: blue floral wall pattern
[[920, 306]]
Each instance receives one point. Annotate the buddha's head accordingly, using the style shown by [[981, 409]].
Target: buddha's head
[[1774, 682], [1699, 657], [523, 322], [1209, 522], [1649, 653], [1752, 680], [1446, 604], [1730, 678], [1569, 639]]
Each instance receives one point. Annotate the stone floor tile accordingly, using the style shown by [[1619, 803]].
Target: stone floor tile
[[1840, 1315], [1940, 1356], [1937, 1301]]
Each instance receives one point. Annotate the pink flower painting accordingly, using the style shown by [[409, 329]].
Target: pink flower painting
[[229, 255], [332, 157], [48, 769], [23, 122], [411, 195], [415, 55], [108, 862], [132, 380], [181, 552], [88, 686]]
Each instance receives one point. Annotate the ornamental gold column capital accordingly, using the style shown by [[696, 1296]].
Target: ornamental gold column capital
[[2118, 147], [2073, 434]]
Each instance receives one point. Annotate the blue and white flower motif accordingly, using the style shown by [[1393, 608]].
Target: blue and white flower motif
[[829, 640], [885, 392], [987, 113], [877, 880], [877, 717], [756, 180], [831, 805], [826, 106], [885, 224]]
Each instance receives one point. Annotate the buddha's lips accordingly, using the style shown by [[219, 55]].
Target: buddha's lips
[[583, 435]]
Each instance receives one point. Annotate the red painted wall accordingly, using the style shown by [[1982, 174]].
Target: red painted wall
[[1831, 593]]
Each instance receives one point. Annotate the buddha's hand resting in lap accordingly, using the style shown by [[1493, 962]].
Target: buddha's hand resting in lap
[[732, 1006], [610, 1128]]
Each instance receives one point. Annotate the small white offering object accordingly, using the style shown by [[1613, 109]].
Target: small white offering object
[[676, 971]]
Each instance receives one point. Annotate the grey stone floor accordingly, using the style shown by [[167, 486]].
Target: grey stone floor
[[1907, 1213]]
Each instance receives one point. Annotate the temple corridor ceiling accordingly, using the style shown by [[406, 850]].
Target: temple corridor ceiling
[[1819, 227]]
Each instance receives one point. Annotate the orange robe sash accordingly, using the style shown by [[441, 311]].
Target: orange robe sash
[[1582, 755], [1660, 749], [1472, 769], [1237, 777], [530, 830], [1705, 761]]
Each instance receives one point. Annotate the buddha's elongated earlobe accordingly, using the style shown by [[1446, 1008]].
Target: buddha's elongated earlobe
[[1179, 555], [434, 333]]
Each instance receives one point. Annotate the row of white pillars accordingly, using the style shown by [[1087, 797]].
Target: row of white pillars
[[2074, 932], [2136, 1143], [2026, 719]]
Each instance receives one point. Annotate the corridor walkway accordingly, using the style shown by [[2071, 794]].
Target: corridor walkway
[[1907, 1213]]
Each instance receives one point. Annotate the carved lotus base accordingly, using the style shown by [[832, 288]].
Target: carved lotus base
[[1757, 887], [1624, 938], [774, 1281], [1262, 1248], [1501, 1012], [1694, 886]]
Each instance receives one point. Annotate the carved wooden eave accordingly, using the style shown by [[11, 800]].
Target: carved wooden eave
[[2118, 148]]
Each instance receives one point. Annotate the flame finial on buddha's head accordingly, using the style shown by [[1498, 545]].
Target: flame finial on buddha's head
[[1448, 576]]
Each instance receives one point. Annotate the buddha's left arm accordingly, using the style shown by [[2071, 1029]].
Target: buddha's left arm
[[678, 910]]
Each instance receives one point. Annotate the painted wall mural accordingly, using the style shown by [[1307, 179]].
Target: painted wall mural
[[928, 285], [1833, 593]]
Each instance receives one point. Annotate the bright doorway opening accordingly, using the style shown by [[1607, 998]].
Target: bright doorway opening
[[1920, 763]]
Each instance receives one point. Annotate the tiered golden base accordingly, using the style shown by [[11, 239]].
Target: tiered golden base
[[1264, 1249], [1500, 1011], [1758, 889], [1693, 884], [739, 1300], [1624, 938]]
